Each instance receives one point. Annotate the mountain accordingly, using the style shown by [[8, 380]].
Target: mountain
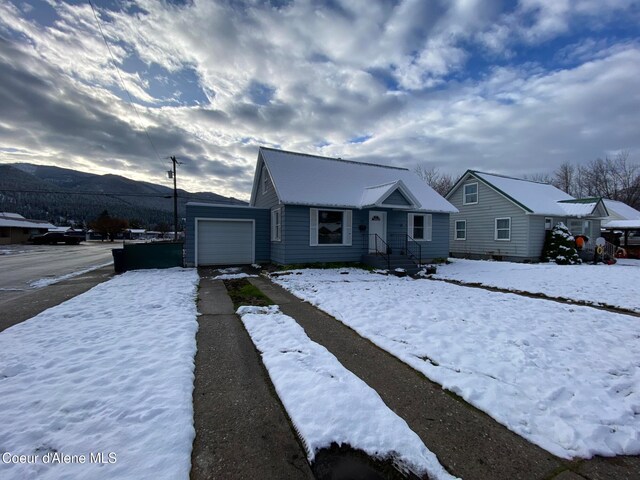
[[62, 195]]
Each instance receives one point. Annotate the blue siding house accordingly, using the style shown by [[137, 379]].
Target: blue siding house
[[308, 209]]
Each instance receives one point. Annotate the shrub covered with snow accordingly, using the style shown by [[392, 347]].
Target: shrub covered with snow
[[560, 246]]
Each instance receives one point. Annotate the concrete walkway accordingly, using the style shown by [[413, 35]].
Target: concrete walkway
[[242, 431], [467, 442]]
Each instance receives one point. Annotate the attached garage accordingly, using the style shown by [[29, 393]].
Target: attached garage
[[225, 241], [226, 235]]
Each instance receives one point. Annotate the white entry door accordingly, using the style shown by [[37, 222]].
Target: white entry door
[[377, 226]]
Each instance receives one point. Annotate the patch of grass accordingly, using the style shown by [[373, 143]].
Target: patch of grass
[[243, 293]]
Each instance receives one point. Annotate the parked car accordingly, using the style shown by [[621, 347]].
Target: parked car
[[52, 238]]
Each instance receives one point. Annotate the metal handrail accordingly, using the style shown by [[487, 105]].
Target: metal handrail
[[411, 241], [379, 241]]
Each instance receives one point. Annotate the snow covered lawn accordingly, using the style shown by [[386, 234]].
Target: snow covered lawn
[[615, 285], [109, 373], [326, 402], [565, 377]]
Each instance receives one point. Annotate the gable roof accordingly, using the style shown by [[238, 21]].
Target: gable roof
[[8, 219], [302, 179], [621, 215], [536, 198]]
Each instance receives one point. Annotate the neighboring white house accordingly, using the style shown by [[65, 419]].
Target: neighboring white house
[[14, 228], [506, 218]]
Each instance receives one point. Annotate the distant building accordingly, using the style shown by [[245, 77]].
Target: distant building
[[15, 228]]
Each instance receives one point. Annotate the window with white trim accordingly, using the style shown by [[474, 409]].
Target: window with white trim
[[461, 230], [548, 223], [420, 226], [276, 225], [580, 227], [329, 227], [265, 180], [470, 194], [503, 229]]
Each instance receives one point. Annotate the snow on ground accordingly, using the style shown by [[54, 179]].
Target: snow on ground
[[232, 276], [564, 377], [109, 371], [614, 285], [326, 402], [44, 282]]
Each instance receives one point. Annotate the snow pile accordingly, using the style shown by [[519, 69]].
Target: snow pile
[[614, 285], [566, 378], [232, 276], [108, 372], [44, 282], [326, 402]]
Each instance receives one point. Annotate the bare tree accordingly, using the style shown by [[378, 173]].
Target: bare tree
[[564, 178], [538, 177], [615, 178], [440, 182]]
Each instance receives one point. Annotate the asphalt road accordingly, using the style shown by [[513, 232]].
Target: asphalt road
[[20, 265]]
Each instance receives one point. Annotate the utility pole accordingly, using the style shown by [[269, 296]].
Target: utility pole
[[172, 174]]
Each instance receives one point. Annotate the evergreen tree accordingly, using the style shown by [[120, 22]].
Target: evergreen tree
[[560, 246]]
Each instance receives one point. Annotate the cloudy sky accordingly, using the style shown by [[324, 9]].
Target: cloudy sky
[[501, 86]]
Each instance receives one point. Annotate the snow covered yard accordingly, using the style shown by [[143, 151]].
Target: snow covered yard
[[564, 377], [329, 404], [613, 285], [101, 385]]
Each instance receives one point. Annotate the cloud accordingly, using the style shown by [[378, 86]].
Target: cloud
[[460, 84]]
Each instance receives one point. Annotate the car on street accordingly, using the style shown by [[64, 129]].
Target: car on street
[[53, 238]]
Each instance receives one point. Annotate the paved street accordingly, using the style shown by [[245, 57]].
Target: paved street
[[22, 264]]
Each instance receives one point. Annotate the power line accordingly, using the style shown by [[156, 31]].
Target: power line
[[12, 190], [113, 60]]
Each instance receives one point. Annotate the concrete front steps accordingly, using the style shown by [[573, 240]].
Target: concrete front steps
[[395, 260]]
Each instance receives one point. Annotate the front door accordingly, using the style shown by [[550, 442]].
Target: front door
[[377, 231]]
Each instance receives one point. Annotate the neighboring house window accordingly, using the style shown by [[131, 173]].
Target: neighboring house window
[[265, 180], [461, 230], [276, 225], [420, 226], [580, 227], [548, 223], [330, 227], [503, 228], [470, 194]]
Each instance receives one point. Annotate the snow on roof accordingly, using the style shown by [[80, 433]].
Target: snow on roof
[[15, 220], [621, 211], [539, 198], [621, 224], [302, 179], [371, 195], [579, 208]]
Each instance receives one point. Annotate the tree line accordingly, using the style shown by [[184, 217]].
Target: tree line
[[615, 178]]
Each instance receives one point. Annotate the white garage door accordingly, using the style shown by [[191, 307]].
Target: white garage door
[[224, 242]]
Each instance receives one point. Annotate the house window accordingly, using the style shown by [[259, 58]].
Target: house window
[[548, 223], [420, 226], [276, 225], [470, 194], [265, 180], [461, 230], [330, 227], [503, 229], [580, 227]]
